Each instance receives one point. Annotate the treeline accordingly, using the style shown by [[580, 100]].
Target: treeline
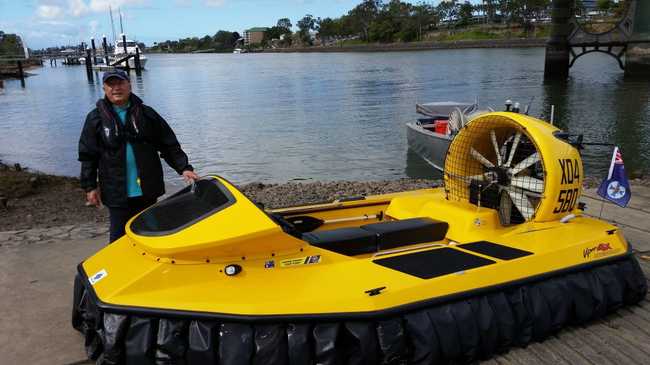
[[389, 21], [223, 40], [10, 45]]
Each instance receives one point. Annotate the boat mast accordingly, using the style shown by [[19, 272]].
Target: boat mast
[[121, 27], [112, 24]]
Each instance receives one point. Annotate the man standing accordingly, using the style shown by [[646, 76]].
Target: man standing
[[121, 139]]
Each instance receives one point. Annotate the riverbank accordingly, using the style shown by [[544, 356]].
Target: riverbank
[[395, 47], [33, 200], [418, 46], [10, 70]]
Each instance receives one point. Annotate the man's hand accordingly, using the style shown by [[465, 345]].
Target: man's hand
[[190, 176], [93, 197]]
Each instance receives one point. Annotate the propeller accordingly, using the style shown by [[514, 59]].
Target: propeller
[[479, 157], [515, 185]]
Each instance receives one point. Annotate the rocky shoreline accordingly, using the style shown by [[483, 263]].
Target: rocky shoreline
[[37, 207], [32, 200]]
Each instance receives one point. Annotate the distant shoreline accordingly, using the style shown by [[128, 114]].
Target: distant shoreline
[[396, 47], [420, 46]]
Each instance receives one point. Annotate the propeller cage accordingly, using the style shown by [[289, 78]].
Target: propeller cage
[[494, 163]]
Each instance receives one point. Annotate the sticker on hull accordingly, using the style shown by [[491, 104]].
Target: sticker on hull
[[97, 277]]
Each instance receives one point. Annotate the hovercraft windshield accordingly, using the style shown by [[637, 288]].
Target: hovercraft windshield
[[186, 207]]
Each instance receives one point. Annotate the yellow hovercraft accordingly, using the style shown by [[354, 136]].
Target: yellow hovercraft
[[499, 257]]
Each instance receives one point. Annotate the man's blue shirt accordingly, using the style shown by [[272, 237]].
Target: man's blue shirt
[[132, 180]]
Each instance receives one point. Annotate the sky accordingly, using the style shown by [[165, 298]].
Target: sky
[[44, 23]]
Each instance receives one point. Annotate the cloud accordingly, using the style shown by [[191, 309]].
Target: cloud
[[49, 11], [79, 8], [92, 26], [214, 3], [183, 3]]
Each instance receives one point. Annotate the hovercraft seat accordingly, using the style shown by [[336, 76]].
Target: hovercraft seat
[[379, 236]]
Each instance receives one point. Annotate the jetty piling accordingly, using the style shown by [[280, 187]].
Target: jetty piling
[[126, 61], [21, 73], [105, 46], [92, 44], [89, 66], [138, 69]]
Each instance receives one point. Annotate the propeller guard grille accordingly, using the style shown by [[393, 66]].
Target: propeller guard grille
[[494, 163]]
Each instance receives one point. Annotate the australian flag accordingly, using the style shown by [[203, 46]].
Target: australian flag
[[615, 187]]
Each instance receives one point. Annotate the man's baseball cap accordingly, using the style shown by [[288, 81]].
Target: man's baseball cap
[[115, 73]]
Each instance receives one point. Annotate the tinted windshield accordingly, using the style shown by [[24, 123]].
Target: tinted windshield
[[128, 44], [183, 209]]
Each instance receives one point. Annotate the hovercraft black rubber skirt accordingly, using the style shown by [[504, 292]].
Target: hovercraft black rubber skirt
[[463, 329]]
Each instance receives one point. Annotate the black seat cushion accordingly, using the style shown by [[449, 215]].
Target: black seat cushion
[[404, 232], [346, 241]]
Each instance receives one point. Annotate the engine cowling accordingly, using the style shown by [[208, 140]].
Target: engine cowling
[[516, 164]]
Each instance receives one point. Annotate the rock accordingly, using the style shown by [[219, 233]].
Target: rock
[[3, 202]]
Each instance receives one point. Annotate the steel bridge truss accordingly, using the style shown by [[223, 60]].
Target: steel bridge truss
[[613, 42]]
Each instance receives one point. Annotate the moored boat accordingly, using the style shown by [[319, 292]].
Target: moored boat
[[430, 135], [131, 49]]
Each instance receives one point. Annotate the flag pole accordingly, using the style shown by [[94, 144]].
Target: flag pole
[[602, 205]]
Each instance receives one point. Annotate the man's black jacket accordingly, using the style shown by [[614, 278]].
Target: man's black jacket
[[102, 147]]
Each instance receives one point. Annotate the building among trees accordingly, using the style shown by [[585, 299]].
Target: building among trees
[[254, 35]]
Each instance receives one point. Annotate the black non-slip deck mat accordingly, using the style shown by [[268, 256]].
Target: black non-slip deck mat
[[433, 263], [495, 250]]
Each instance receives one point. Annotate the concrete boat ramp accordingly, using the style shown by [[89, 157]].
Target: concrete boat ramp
[[37, 267]]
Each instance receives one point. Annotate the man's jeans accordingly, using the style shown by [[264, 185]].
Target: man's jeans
[[119, 216]]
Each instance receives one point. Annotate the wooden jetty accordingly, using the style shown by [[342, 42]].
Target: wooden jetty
[[619, 338]]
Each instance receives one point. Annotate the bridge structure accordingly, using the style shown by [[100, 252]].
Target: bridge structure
[[628, 41]]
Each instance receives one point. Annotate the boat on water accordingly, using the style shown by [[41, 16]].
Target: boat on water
[[502, 256], [131, 49], [430, 135]]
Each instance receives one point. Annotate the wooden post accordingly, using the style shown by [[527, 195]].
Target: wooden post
[[92, 44], [138, 68], [21, 74], [126, 62], [89, 67], [105, 46]]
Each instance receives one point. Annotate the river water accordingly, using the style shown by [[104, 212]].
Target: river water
[[282, 117]]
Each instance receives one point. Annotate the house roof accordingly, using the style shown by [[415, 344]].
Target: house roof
[[257, 29]]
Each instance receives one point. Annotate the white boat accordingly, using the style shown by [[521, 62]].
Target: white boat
[[236, 50], [131, 47]]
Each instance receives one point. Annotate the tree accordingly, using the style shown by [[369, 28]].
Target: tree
[[276, 32], [381, 30], [489, 9], [448, 11], [224, 39], [363, 14], [306, 24], [424, 15], [465, 13], [329, 28], [284, 23]]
